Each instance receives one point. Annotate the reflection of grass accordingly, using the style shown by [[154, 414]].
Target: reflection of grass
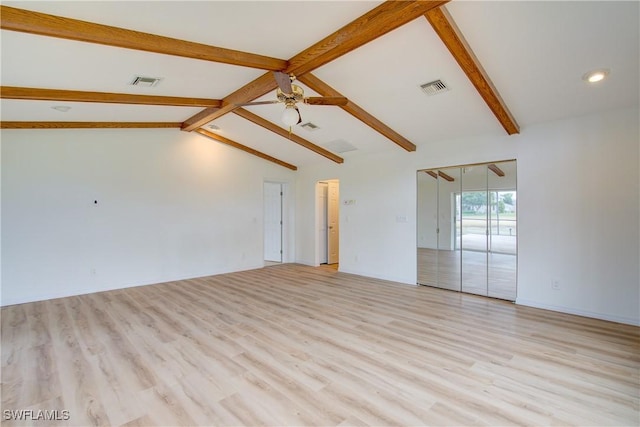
[[481, 216], [477, 224]]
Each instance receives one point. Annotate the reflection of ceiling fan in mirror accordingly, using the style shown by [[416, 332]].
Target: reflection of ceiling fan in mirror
[[291, 94]]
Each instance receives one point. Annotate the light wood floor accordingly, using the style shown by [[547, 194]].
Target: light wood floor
[[295, 345]]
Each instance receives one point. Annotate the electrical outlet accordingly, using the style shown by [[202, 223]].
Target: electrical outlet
[[555, 284]]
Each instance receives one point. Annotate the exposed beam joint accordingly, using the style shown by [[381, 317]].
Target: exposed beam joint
[[27, 21], [258, 87], [37, 94], [377, 22], [325, 90], [452, 37], [87, 125], [373, 24], [244, 148], [284, 133]]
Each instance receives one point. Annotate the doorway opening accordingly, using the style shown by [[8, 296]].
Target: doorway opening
[[273, 222], [328, 222]]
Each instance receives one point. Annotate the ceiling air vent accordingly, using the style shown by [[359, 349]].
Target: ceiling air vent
[[310, 126], [145, 81], [339, 146], [434, 87]]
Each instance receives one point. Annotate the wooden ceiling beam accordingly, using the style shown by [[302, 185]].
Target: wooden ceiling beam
[[87, 125], [373, 24], [377, 22], [325, 90], [43, 24], [432, 173], [255, 89], [495, 169], [244, 148], [452, 37], [285, 134], [37, 94]]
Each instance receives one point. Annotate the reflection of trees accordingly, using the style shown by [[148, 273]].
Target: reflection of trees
[[474, 202]]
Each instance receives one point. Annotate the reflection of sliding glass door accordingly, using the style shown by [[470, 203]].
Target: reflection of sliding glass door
[[502, 245], [467, 229], [438, 220], [427, 229], [449, 265], [474, 207]]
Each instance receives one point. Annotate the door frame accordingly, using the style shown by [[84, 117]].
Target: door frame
[[318, 219]]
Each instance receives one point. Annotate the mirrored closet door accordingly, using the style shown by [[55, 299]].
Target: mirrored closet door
[[467, 229]]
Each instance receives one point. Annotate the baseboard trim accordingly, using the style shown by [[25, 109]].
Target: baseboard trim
[[155, 281], [402, 281], [578, 312]]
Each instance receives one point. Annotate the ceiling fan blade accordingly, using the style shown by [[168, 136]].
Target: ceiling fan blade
[[256, 103], [326, 100], [284, 81]]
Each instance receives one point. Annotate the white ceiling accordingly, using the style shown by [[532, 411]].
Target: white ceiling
[[534, 52]]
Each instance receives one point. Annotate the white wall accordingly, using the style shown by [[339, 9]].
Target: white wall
[[171, 205], [579, 219]]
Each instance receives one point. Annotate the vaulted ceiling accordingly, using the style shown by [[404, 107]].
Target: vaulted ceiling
[[507, 65]]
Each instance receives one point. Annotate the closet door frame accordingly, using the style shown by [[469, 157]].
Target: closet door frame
[[449, 236]]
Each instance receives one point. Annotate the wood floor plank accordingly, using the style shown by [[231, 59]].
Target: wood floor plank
[[164, 407], [295, 345], [78, 384]]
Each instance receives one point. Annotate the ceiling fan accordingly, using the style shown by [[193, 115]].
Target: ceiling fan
[[290, 94]]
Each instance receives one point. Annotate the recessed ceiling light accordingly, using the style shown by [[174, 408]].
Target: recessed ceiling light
[[596, 76], [213, 127], [61, 108]]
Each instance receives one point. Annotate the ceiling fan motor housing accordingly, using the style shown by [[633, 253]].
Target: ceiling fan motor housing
[[297, 95]]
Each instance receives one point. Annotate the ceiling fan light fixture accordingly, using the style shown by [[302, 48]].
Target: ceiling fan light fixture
[[290, 116]]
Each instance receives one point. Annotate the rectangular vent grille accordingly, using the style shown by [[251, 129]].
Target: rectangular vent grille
[[145, 81], [435, 87], [339, 146], [310, 126]]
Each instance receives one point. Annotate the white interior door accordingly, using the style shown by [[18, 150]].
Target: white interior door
[[333, 232], [272, 222]]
